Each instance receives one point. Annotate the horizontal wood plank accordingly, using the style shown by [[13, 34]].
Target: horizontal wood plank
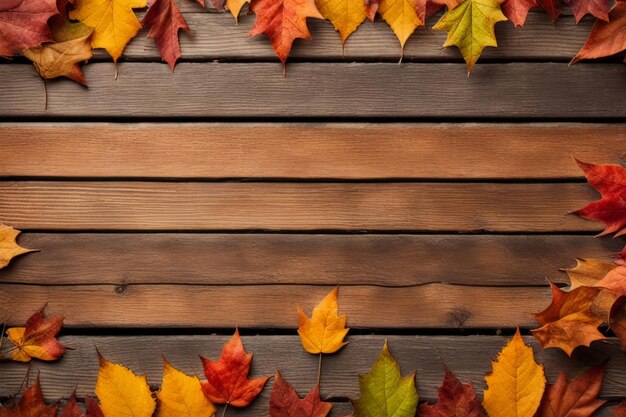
[[469, 357], [214, 36], [227, 259], [274, 306], [377, 90], [312, 151]]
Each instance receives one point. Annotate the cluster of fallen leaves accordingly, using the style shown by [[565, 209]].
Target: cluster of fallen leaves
[[57, 35], [597, 292]]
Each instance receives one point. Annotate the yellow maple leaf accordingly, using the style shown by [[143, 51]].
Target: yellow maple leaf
[[324, 332], [9, 248], [235, 7], [470, 27], [121, 392], [516, 385], [181, 395], [345, 15], [401, 16], [114, 22]]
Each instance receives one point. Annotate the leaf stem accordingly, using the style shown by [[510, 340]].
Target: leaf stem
[[319, 370], [45, 95], [224, 410]]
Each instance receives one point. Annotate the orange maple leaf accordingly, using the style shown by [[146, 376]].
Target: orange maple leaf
[[37, 339], [577, 398]]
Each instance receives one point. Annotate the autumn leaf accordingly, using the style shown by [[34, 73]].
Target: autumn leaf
[[516, 385], [384, 392], [181, 395], [372, 8], [569, 322], [401, 16], [517, 10], [470, 27], [325, 330], [609, 180], [284, 401], [218, 4], [37, 340], [587, 272], [577, 398], [61, 58], [620, 410], [552, 7], [121, 392], [165, 20], [227, 378], [9, 248], [114, 22], [24, 24], [235, 7], [605, 39], [283, 21], [72, 409], [618, 325], [455, 399], [345, 15], [597, 8], [31, 404]]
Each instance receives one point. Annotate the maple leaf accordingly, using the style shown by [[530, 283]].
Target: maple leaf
[[114, 22], [31, 404], [569, 322], [72, 410], [516, 384], [37, 339], [372, 8], [578, 398], [181, 395], [552, 7], [284, 401], [384, 392], [61, 58], [455, 399], [165, 20], [24, 24], [9, 248], [401, 16], [283, 21], [597, 8], [345, 15], [121, 392], [587, 272], [470, 27], [325, 331], [517, 10], [605, 39], [227, 378], [235, 7]]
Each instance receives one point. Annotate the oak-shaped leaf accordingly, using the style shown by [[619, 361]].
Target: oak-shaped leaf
[[9, 248], [181, 395], [121, 392], [577, 398], [24, 24], [325, 330], [283, 21], [516, 384], [285, 402], [455, 399], [384, 392], [165, 21], [31, 404], [38, 339], [470, 27], [227, 378]]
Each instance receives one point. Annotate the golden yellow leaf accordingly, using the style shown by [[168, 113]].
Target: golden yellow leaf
[[588, 272], [401, 16], [9, 248], [122, 393], [470, 27], [181, 395], [235, 7], [516, 385], [345, 15], [324, 332], [114, 22]]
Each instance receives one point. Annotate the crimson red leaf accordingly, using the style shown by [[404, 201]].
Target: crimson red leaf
[[455, 399], [284, 401], [165, 20]]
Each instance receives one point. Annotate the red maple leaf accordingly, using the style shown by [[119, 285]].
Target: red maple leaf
[[454, 399], [577, 398], [31, 405], [24, 24], [165, 20], [552, 7], [517, 10], [596, 8], [284, 401]]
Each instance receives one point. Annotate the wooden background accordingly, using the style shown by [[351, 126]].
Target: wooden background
[[170, 208]]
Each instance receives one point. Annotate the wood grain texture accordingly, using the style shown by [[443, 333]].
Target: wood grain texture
[[274, 306], [311, 151], [216, 37], [377, 90], [468, 356], [227, 259]]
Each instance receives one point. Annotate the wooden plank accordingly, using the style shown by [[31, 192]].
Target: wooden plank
[[274, 306], [216, 37], [295, 206], [312, 151], [377, 90], [223, 259], [468, 356]]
